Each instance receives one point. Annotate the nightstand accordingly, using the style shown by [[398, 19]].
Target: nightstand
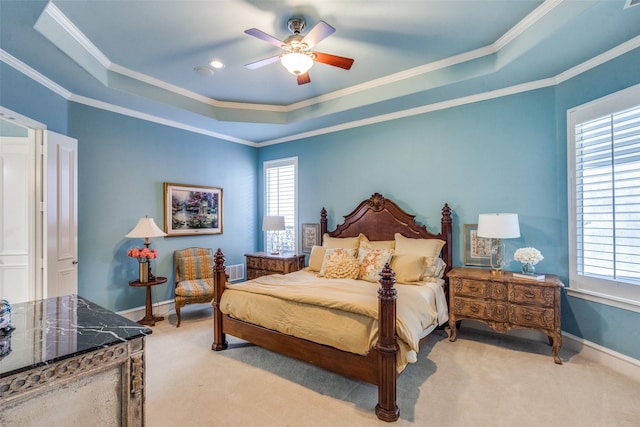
[[505, 302], [264, 263]]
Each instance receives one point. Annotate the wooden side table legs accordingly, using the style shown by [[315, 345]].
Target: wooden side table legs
[[149, 319]]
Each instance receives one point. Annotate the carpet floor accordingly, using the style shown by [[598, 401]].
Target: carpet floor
[[483, 379]]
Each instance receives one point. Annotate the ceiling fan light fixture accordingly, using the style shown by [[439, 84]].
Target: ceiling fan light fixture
[[296, 63]]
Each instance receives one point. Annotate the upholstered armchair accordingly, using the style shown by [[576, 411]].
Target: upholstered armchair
[[194, 277]]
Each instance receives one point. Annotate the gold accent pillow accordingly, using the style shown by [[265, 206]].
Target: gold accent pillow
[[340, 242], [428, 248], [340, 263], [316, 258], [408, 267], [372, 262], [376, 244]]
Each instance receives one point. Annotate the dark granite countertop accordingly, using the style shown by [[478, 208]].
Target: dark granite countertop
[[53, 329]]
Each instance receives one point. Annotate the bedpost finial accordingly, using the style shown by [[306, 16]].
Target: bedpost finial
[[219, 260], [387, 280], [446, 212]]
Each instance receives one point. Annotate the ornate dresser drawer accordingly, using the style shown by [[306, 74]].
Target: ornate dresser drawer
[[480, 309], [532, 294]]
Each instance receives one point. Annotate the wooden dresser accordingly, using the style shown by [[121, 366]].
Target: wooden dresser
[[263, 263], [505, 302]]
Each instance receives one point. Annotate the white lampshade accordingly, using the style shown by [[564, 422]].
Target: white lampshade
[[273, 223], [296, 63], [146, 228], [498, 226]]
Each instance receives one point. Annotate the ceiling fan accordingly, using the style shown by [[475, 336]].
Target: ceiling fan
[[296, 55]]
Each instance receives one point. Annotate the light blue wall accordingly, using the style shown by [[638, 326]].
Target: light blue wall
[[491, 156], [503, 155], [123, 164]]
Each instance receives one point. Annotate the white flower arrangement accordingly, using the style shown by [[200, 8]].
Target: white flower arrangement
[[530, 256]]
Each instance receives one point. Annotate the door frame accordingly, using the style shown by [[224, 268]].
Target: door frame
[[38, 259]]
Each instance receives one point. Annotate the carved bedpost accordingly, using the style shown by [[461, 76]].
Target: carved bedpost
[[387, 346], [323, 223], [219, 283], [446, 231]]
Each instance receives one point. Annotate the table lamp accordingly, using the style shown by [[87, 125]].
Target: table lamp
[[145, 229], [275, 224], [498, 226]]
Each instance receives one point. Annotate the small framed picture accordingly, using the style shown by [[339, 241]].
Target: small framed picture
[[192, 209], [477, 250], [310, 236]]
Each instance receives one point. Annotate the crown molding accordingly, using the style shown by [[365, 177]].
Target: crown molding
[[83, 41], [23, 68]]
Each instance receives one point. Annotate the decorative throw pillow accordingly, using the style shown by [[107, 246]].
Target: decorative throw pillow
[[376, 244], [340, 242], [316, 257], [333, 261], [340, 263], [408, 267], [429, 248], [372, 262]]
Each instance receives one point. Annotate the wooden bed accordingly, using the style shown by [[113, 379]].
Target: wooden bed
[[379, 219]]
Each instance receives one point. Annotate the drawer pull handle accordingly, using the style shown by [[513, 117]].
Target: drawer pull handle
[[473, 288], [529, 294], [474, 309], [528, 317]]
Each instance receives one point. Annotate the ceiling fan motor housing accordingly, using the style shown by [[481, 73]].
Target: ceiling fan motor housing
[[296, 25]]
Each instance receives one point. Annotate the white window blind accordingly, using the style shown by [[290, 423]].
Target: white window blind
[[280, 178], [608, 196], [605, 186]]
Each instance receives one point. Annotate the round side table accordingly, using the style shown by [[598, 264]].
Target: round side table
[[149, 319]]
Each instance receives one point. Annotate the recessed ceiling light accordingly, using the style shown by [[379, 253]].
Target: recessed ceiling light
[[216, 63], [204, 71]]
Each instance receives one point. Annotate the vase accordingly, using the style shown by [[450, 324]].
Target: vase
[[528, 269], [144, 272]]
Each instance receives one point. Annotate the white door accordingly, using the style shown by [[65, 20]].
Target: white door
[[62, 214], [18, 264]]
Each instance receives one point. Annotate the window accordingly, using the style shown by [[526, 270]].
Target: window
[[604, 192], [281, 198]]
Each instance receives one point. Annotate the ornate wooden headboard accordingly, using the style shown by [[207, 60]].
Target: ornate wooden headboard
[[379, 219]]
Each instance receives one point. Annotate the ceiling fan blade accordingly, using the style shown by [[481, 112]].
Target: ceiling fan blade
[[264, 36], [321, 31], [336, 61], [304, 78], [262, 62]]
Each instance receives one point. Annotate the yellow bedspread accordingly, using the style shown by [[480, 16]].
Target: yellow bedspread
[[342, 313]]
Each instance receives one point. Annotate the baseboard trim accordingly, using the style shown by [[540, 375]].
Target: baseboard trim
[[161, 308], [618, 362]]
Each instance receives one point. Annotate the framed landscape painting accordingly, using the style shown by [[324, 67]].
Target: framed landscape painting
[[192, 209]]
